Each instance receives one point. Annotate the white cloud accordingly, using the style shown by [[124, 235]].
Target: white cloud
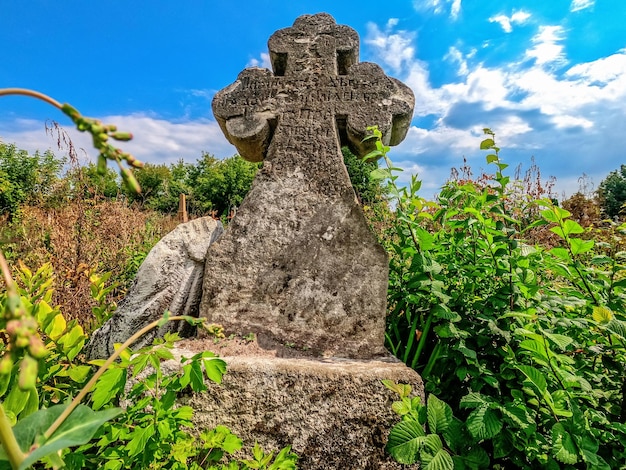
[[155, 140], [506, 22], [547, 49], [602, 71], [439, 6], [578, 5], [564, 121], [263, 62], [537, 107], [455, 9], [394, 49], [455, 55]]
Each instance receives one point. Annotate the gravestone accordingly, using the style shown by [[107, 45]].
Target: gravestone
[[170, 278], [298, 264]]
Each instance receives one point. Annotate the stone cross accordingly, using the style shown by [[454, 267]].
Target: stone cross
[[298, 264]]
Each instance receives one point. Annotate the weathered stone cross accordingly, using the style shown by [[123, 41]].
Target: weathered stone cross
[[298, 264]]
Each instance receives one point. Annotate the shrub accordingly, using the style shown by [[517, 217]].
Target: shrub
[[526, 343]]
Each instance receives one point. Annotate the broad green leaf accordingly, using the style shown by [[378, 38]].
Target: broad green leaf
[[404, 390], [491, 158], [487, 144], [405, 441], [45, 315], [214, 369], [617, 327], [482, 423], [518, 415], [474, 400], [439, 461], [563, 447], [231, 443], [560, 253], [140, 439], [560, 403], [16, 400], [73, 341], [439, 415], [537, 348], [374, 154], [76, 430], [426, 240], [570, 226], [78, 373], [378, 173], [476, 458], [184, 412], [113, 465], [561, 341], [32, 405], [197, 379], [57, 327], [602, 314], [535, 377], [164, 429], [108, 386], [549, 215], [402, 407], [581, 246]]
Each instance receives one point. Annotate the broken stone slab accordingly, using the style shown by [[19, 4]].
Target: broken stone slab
[[298, 263], [170, 278], [335, 413]]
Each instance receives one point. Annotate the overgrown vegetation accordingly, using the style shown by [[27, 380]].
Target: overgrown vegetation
[[521, 345], [148, 430], [509, 305], [44, 380]]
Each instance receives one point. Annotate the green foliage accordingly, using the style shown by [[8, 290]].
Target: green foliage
[[220, 185], [154, 181], [525, 342], [369, 190], [153, 430], [612, 192], [25, 178], [94, 182]]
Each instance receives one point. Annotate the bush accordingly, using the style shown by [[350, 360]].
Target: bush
[[526, 344], [41, 371]]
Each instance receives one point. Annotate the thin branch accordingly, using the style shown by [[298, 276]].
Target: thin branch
[[32, 94], [51, 430]]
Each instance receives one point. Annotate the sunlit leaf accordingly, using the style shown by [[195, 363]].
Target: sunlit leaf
[[405, 440], [483, 423], [214, 369], [563, 447], [487, 144], [535, 377], [439, 415]]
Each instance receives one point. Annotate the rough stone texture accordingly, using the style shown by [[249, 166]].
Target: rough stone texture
[[170, 278], [335, 413], [298, 263]]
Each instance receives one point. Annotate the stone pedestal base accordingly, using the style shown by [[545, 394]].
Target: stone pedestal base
[[335, 413]]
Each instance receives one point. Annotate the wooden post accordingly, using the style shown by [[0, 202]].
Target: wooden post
[[182, 209]]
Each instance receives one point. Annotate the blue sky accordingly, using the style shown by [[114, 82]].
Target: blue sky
[[549, 77]]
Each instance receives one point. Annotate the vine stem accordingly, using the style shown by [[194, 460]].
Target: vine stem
[[7, 438], [32, 94], [11, 447], [54, 426]]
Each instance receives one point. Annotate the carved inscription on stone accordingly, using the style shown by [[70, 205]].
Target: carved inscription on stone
[[298, 264]]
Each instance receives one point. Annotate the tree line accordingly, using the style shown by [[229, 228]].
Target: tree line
[[213, 186]]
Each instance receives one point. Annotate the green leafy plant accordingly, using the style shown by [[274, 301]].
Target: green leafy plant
[[524, 341], [130, 420]]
